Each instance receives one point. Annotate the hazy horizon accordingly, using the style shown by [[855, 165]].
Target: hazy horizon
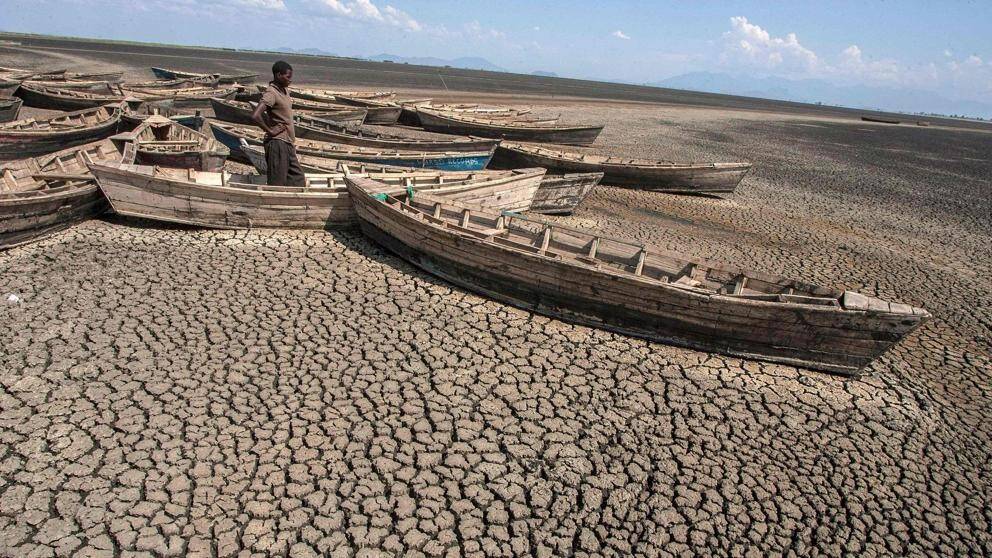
[[892, 53]]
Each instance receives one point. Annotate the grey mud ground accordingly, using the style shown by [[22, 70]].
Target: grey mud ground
[[169, 391]]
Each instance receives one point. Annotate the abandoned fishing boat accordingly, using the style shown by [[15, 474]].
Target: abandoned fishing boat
[[166, 73], [42, 195], [225, 200], [380, 112], [89, 86], [459, 123], [880, 120], [231, 136], [180, 83], [132, 117], [9, 108], [560, 194], [330, 96], [190, 97], [160, 141], [65, 99], [316, 129], [623, 286], [240, 113], [643, 174], [32, 136]]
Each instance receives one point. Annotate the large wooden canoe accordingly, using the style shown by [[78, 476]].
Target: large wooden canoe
[[330, 96], [160, 141], [180, 83], [560, 194], [617, 285], [644, 174], [9, 109], [43, 195], [458, 123], [240, 113], [380, 112], [224, 200], [166, 73], [320, 130], [880, 120], [190, 97], [65, 99], [90, 86], [556, 194], [231, 136], [29, 137]]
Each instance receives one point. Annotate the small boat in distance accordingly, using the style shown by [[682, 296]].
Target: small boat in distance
[[168, 74], [614, 284], [463, 124], [880, 120], [240, 113], [642, 174]]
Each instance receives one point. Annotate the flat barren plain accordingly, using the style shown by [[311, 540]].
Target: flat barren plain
[[170, 391]]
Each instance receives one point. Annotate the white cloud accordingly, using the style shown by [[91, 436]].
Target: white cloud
[[365, 10], [262, 4], [620, 35], [749, 44], [537, 28]]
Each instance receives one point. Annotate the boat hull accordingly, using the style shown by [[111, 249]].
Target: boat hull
[[346, 137], [18, 145], [201, 161], [719, 179], [9, 108], [25, 219], [174, 201], [839, 342], [561, 194], [8, 88], [578, 135], [383, 116]]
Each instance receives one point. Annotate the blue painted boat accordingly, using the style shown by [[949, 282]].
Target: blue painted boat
[[231, 136]]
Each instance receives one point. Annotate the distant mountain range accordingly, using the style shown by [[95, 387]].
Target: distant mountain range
[[544, 74], [818, 91], [465, 63]]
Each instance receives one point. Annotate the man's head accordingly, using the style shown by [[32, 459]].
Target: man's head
[[282, 73]]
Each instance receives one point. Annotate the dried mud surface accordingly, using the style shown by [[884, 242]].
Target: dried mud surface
[[170, 391]]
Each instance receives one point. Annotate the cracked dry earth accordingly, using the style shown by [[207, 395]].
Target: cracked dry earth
[[170, 391]]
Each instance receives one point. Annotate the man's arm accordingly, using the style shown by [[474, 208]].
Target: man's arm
[[256, 117]]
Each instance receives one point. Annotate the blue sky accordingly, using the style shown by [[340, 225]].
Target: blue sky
[[942, 47]]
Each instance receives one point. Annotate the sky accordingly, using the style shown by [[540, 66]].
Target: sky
[[940, 47]]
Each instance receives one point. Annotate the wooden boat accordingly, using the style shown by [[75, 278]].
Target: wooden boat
[[160, 141], [9, 109], [22, 74], [315, 129], [42, 195], [165, 73], [380, 112], [91, 86], [224, 200], [880, 120], [240, 113], [29, 137], [623, 286], [560, 194], [330, 96], [64, 99], [8, 86], [436, 160], [111, 77], [556, 195], [451, 123], [131, 118], [181, 83], [659, 176], [190, 97], [409, 115]]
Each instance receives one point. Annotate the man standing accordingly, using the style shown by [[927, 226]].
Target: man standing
[[274, 114]]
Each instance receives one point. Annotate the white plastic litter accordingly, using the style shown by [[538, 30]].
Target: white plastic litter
[[13, 298]]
